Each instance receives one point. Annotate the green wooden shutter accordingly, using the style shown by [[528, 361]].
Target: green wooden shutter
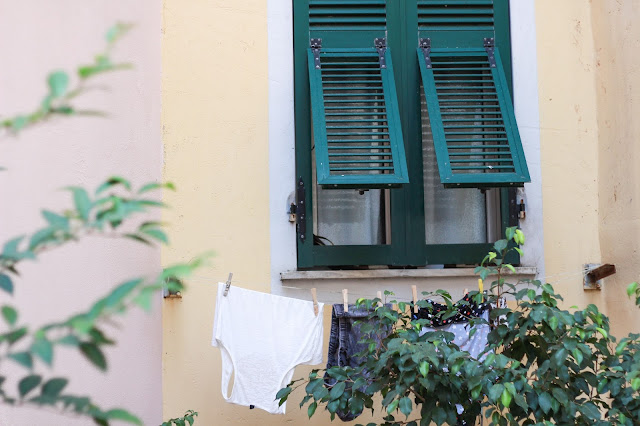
[[474, 128], [347, 23], [356, 123], [456, 23]]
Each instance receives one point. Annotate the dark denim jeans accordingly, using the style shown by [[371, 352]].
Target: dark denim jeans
[[343, 344]]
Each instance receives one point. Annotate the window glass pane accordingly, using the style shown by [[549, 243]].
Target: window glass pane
[[349, 217], [452, 216]]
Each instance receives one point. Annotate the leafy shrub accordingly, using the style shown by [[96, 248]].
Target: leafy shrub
[[542, 365]]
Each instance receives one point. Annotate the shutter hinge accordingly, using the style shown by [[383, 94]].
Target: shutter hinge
[[490, 47], [425, 45], [381, 45], [316, 44], [301, 210]]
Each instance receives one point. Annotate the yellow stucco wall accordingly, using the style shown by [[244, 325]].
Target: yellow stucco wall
[[214, 115], [569, 144], [616, 36], [587, 72]]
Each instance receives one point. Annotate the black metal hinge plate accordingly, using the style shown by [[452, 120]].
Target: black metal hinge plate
[[490, 47], [425, 45], [301, 210], [316, 44]]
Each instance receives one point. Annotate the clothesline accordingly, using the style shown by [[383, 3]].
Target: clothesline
[[552, 279], [357, 295]]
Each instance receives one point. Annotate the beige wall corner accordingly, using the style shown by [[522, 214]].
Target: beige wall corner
[[214, 130], [569, 144], [37, 37], [618, 87]]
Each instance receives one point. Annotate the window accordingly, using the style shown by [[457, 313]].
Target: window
[[407, 149]]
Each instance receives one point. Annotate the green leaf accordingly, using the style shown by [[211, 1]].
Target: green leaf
[[56, 220], [119, 414], [144, 299], [157, 234], [28, 384], [519, 237], [312, 409], [631, 288], [53, 387], [577, 354], [12, 247], [22, 358], [505, 398], [496, 392], [6, 284], [10, 315], [500, 245], [43, 349], [560, 395], [553, 322], [392, 407], [19, 123], [44, 235], [405, 406], [545, 402], [510, 267], [509, 232], [119, 293], [15, 335], [603, 332], [113, 181], [283, 392], [69, 340], [337, 390], [152, 186], [424, 368], [93, 353], [621, 346], [138, 238], [82, 201], [58, 83]]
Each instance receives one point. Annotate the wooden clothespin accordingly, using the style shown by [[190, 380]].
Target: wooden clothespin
[[345, 299], [314, 296], [414, 290], [228, 284], [379, 296]]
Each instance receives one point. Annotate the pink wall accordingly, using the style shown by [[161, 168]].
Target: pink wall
[[35, 37]]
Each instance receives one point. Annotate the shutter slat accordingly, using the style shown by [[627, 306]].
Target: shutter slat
[[347, 23], [475, 135], [356, 127], [456, 23]]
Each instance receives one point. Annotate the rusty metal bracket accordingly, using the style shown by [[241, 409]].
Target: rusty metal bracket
[[595, 273]]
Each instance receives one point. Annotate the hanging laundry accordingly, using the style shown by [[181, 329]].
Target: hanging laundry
[[459, 326], [344, 343], [262, 338]]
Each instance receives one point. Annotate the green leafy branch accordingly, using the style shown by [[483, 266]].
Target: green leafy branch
[[84, 332], [102, 213], [188, 418], [59, 99]]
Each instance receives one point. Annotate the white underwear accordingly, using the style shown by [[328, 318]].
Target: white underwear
[[262, 338]]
